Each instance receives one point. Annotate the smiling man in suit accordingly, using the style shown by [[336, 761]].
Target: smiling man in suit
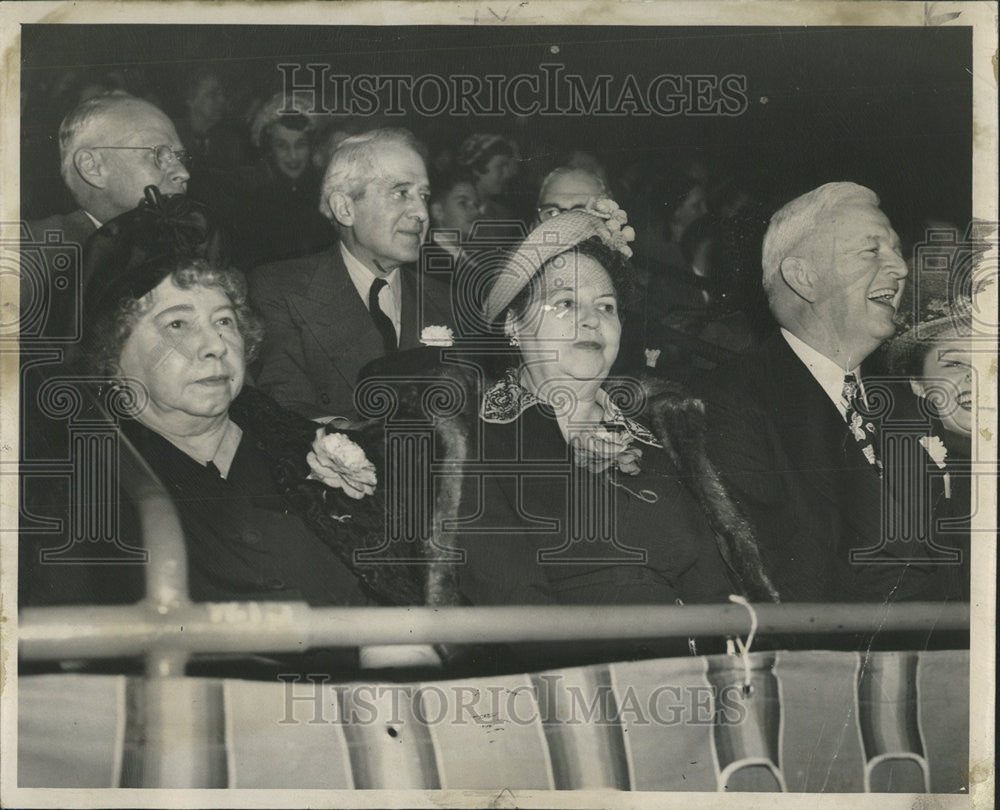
[[329, 314], [789, 427]]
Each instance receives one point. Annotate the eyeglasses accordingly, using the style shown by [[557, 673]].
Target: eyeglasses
[[549, 211], [165, 156]]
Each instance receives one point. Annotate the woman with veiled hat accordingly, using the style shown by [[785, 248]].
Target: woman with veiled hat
[[583, 501]]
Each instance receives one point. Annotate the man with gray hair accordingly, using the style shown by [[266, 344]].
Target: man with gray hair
[[329, 314], [791, 427], [111, 147]]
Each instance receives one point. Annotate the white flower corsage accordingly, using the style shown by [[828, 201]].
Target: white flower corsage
[[616, 234], [340, 463], [935, 449], [437, 336], [938, 452], [602, 448]]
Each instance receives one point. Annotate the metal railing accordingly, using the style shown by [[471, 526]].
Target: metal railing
[[166, 627]]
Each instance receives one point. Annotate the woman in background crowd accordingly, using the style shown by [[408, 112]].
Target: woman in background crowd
[[491, 161], [278, 207]]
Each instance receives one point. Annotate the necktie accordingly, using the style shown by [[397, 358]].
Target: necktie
[[382, 322], [862, 430]]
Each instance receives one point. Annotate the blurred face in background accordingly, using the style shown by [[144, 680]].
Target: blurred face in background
[[289, 150], [567, 191], [693, 207], [207, 104], [458, 209], [493, 180]]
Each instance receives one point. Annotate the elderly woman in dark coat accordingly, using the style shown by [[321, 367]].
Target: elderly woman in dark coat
[[261, 493]]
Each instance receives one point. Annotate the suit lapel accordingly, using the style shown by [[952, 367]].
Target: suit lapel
[[819, 443], [425, 303], [336, 317]]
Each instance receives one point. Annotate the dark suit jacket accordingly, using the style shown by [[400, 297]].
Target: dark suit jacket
[[52, 279], [319, 333], [788, 456]]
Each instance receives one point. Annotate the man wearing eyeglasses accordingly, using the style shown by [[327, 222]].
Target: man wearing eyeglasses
[[111, 147], [566, 189]]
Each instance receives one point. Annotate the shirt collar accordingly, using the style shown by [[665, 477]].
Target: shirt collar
[[361, 275], [826, 372], [507, 399], [92, 218]]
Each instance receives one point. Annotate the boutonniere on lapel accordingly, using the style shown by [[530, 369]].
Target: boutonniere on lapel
[[340, 463], [437, 336], [600, 448], [938, 452]]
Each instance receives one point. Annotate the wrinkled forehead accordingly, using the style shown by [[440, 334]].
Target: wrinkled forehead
[[136, 122], [393, 164], [859, 221], [168, 294]]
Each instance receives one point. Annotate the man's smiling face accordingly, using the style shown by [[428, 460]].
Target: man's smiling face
[[860, 274]]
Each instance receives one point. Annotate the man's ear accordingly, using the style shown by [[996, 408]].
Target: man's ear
[[91, 167], [342, 207], [800, 275]]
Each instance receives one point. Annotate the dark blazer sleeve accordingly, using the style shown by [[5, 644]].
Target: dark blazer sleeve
[[283, 371]]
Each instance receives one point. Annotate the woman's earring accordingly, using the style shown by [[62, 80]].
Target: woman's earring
[[514, 341]]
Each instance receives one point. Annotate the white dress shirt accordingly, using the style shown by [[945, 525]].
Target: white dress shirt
[[391, 296], [827, 373]]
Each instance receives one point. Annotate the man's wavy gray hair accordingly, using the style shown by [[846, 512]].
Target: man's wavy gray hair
[[354, 164], [793, 222]]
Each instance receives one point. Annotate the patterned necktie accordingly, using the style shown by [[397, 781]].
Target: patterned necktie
[[382, 321], [863, 431]]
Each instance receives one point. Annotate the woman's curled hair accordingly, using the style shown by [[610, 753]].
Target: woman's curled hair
[[107, 336]]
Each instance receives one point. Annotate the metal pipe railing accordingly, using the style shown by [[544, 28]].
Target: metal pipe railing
[[87, 632], [166, 570]]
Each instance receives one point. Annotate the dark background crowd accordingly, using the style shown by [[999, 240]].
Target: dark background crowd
[[888, 108]]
